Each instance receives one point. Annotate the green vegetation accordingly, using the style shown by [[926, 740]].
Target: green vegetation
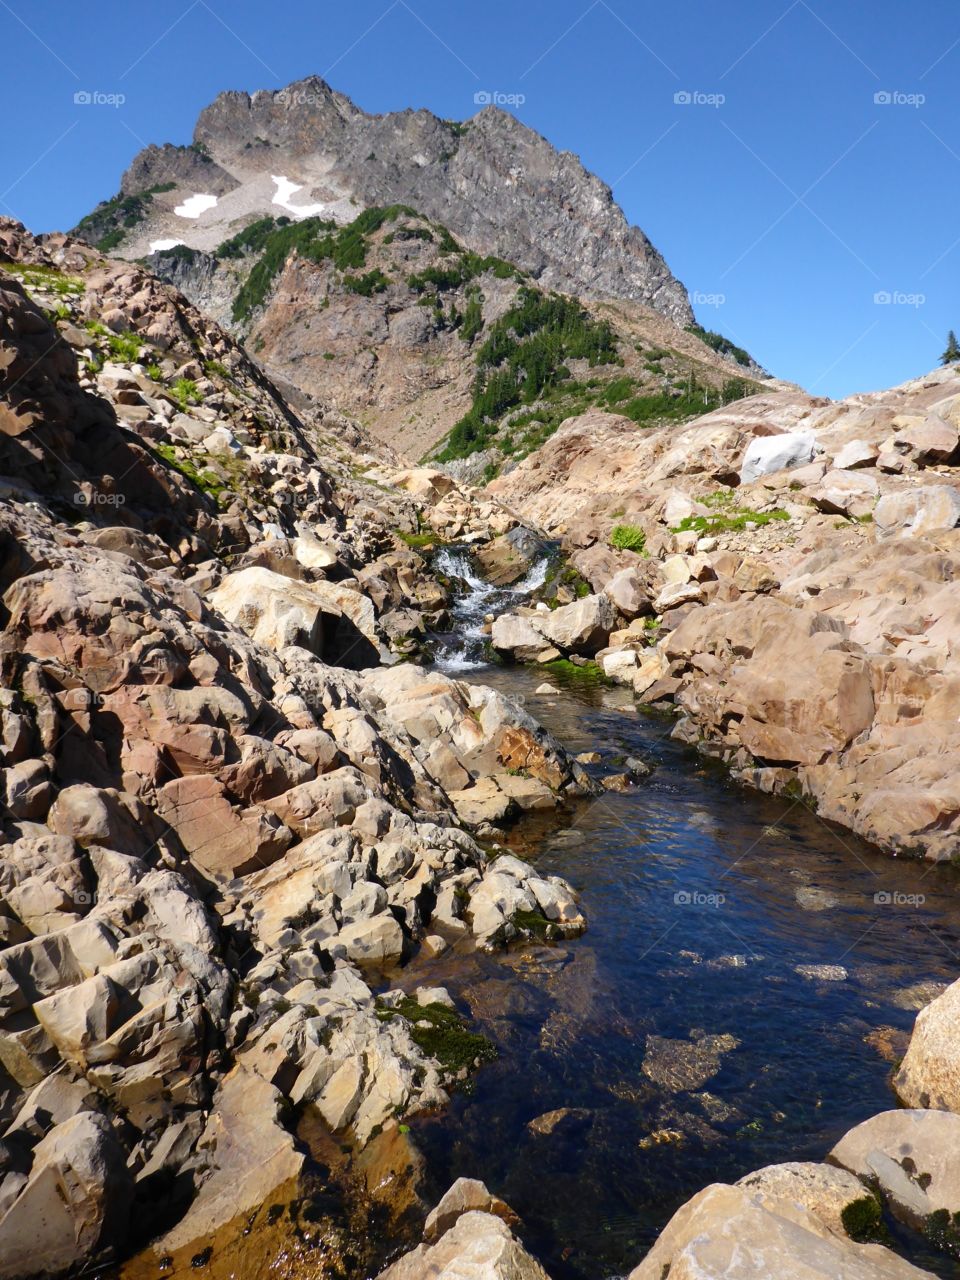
[[206, 481], [121, 346], [727, 516], [314, 239], [366, 285], [862, 1220], [417, 541], [154, 372], [723, 346], [942, 1229], [38, 277], [628, 537], [109, 223], [522, 357], [472, 321], [440, 1033], [185, 392], [252, 238], [213, 368], [952, 353], [468, 267]]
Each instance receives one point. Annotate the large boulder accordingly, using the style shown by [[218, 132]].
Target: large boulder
[[739, 1233], [910, 1157], [917, 512], [78, 1185], [766, 455], [479, 1246], [582, 627], [929, 1075]]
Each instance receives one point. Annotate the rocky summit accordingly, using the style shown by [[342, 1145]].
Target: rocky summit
[[309, 151]]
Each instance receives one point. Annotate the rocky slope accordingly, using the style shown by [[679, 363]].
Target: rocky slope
[[499, 186], [228, 812], [791, 588], [400, 325]]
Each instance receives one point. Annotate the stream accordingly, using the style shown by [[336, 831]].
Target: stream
[[747, 982]]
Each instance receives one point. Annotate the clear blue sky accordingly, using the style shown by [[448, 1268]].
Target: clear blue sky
[[795, 200]]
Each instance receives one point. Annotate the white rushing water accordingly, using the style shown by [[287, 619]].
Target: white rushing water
[[464, 651]]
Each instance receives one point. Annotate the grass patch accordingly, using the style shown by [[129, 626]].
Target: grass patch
[[40, 277], [732, 521], [185, 392], [417, 541], [444, 1037], [628, 537]]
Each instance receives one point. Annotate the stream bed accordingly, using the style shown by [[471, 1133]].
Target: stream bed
[[747, 983]]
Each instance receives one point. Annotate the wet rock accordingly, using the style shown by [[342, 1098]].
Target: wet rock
[[910, 1157], [929, 1075], [733, 1233], [681, 1065], [478, 1244], [822, 972], [467, 1195]]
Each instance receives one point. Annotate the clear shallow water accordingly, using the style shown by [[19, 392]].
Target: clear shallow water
[[703, 900]]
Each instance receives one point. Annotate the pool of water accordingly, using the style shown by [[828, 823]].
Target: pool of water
[[746, 983]]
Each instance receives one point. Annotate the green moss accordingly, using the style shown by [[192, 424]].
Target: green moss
[[862, 1220], [942, 1229], [419, 540], [441, 1034]]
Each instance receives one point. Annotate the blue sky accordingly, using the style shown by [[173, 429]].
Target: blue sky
[[810, 166]]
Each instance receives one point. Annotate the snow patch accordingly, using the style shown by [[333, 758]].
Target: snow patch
[[193, 206], [157, 246], [285, 192]]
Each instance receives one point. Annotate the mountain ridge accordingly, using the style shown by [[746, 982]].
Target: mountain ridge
[[500, 186]]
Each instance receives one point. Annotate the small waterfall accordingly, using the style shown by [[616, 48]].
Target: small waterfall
[[462, 648]]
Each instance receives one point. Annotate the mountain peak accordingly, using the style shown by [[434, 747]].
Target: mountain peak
[[498, 185]]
